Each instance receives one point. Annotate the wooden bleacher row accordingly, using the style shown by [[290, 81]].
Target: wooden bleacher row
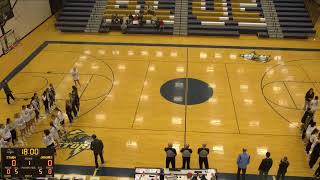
[[225, 17]]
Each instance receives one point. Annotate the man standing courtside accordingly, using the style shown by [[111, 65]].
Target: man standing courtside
[[170, 156], [186, 153], [265, 166], [97, 148], [7, 91], [203, 156], [242, 162]]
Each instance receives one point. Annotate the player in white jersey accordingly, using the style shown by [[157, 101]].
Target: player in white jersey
[[5, 133], [3, 143], [21, 125], [25, 115], [12, 127], [75, 75], [29, 121], [60, 117], [49, 141]]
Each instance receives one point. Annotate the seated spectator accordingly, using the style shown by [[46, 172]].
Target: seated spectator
[[113, 17], [125, 18], [140, 18], [135, 20], [154, 19], [116, 19], [161, 23], [130, 18], [157, 24]]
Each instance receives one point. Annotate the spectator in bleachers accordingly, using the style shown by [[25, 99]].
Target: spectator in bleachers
[[203, 156], [308, 97], [154, 19], [242, 162], [140, 18], [135, 20], [186, 153], [265, 166], [161, 25], [283, 166], [170, 156], [125, 18], [130, 18]]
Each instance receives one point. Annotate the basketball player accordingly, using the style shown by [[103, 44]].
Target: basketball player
[[60, 117], [76, 97], [54, 132], [25, 116], [69, 111], [29, 119], [45, 99], [49, 141], [75, 75], [21, 125], [5, 133], [3, 143], [36, 106], [12, 127]]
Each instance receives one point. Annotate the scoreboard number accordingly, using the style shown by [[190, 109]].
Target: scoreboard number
[[27, 162]]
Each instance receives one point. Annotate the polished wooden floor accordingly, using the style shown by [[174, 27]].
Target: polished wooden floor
[[254, 105]]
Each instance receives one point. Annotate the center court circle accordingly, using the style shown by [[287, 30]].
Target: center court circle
[[186, 91]]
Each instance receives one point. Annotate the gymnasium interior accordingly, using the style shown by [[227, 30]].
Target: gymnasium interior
[[230, 74]]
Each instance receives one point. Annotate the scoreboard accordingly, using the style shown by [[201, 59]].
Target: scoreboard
[[27, 162]]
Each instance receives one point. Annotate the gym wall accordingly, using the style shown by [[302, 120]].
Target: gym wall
[[28, 14]]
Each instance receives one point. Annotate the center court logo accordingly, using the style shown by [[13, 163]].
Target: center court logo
[[77, 141]]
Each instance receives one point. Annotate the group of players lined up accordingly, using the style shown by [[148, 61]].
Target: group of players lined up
[[25, 121]]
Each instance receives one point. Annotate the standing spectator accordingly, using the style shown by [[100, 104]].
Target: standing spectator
[[283, 166], [203, 156], [186, 153], [161, 25], [242, 162], [314, 155], [75, 74], [69, 111], [76, 97], [7, 91], [12, 127], [265, 166], [170, 156], [97, 148], [52, 95], [308, 97], [45, 100], [314, 104]]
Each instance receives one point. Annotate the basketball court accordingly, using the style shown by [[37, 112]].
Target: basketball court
[[253, 105]]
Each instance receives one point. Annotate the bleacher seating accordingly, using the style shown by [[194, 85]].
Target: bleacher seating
[[294, 19], [164, 10], [75, 15], [225, 17], [205, 17]]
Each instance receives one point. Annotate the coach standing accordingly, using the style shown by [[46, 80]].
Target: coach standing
[[203, 156], [97, 148], [7, 91]]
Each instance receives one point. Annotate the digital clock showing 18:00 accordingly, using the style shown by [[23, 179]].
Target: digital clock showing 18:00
[[27, 162]]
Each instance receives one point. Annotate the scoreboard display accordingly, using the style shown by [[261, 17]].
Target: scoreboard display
[[27, 162]]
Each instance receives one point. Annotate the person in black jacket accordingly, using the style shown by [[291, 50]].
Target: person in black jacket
[[186, 153], [203, 156], [314, 155], [170, 156], [97, 148], [283, 166], [265, 166], [7, 91]]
